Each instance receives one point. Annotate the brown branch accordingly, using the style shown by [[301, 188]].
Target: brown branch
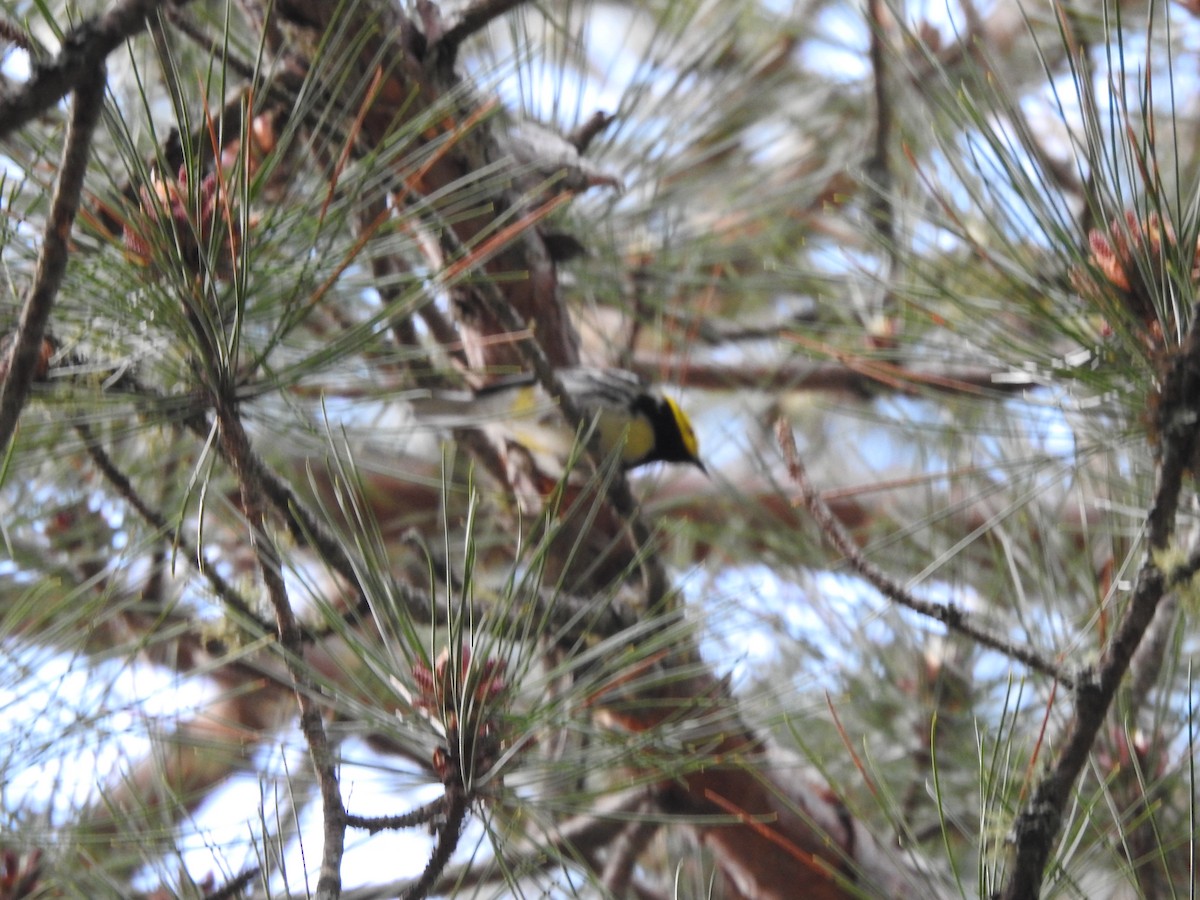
[[856, 377], [248, 470], [235, 887], [859, 375], [419, 816], [416, 82], [17, 371], [81, 56], [19, 37], [949, 614], [474, 18], [1036, 829], [582, 136], [788, 837], [455, 804]]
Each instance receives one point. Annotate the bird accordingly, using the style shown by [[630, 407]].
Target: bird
[[629, 418]]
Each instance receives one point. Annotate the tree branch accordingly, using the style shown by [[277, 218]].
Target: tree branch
[[448, 835], [419, 816], [248, 471], [1036, 828], [18, 369], [81, 56], [861, 375]]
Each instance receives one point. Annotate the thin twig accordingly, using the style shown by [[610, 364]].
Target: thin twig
[[798, 377], [235, 887], [419, 816], [855, 374], [24, 354], [949, 614], [125, 489], [474, 18]]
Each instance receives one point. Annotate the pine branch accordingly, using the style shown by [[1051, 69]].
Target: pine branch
[[18, 369], [422, 815], [77, 64], [248, 471], [1036, 829], [859, 375]]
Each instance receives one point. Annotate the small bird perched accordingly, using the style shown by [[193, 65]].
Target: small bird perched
[[641, 421]]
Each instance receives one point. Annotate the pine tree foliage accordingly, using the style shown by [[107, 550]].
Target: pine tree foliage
[[924, 276]]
